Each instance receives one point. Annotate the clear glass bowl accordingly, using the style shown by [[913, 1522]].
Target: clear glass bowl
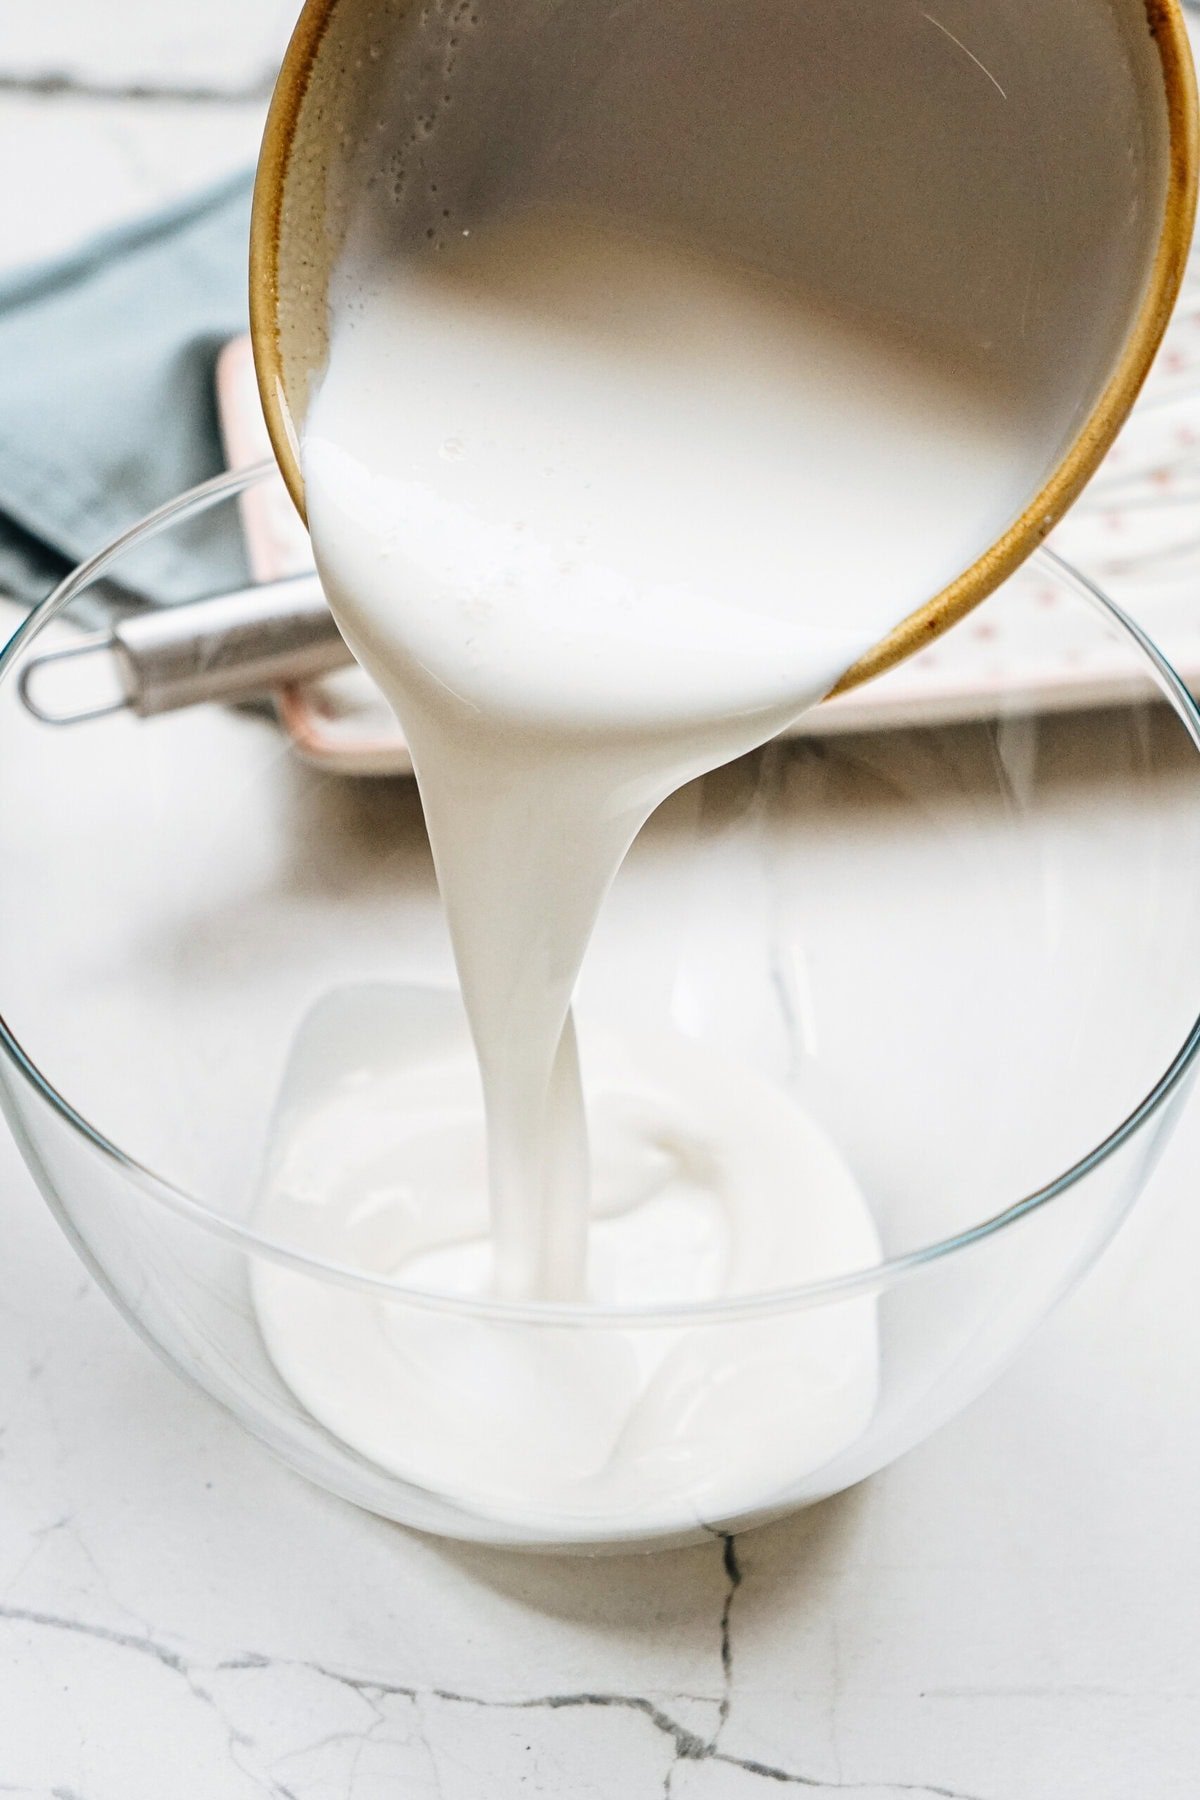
[[968, 950]]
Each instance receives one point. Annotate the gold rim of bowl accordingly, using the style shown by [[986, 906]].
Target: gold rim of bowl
[[1166, 26]]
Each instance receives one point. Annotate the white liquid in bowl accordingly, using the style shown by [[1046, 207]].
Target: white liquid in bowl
[[705, 1182]]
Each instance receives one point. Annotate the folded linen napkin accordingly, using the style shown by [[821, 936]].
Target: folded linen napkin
[[107, 403]]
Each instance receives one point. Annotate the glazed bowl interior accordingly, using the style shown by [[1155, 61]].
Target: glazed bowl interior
[[968, 951], [1031, 214]]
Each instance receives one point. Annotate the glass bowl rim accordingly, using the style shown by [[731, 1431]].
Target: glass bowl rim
[[744, 1307]]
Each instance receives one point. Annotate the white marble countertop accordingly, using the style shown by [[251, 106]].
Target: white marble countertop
[[1008, 1614]]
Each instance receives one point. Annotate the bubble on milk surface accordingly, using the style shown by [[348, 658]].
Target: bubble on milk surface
[[427, 57]]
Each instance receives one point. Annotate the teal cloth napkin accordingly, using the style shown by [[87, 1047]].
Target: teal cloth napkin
[[107, 402]]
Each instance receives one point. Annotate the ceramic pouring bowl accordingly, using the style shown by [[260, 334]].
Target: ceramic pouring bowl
[[1016, 179]]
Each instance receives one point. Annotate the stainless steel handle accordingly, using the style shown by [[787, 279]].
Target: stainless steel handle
[[232, 647]]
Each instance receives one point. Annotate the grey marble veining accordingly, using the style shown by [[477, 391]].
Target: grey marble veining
[[223, 48]]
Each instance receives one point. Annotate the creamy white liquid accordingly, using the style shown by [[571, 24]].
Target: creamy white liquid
[[705, 1182], [598, 514]]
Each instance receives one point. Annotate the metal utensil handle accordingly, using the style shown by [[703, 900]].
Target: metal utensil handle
[[228, 648], [231, 647]]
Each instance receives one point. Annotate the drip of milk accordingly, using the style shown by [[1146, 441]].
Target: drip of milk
[[598, 513]]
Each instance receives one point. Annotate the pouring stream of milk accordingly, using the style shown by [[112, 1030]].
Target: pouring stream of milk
[[599, 513]]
